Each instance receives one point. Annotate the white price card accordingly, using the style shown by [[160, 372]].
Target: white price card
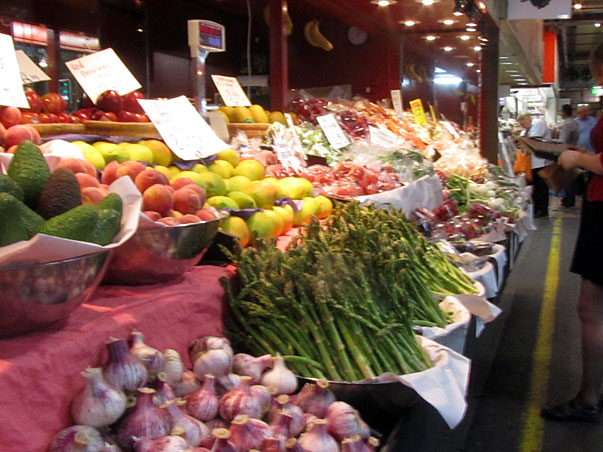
[[383, 137], [231, 91], [332, 131], [182, 128], [30, 72], [100, 71], [11, 88], [397, 102]]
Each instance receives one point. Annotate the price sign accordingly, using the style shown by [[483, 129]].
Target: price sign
[[397, 102], [182, 127], [30, 72], [332, 131], [416, 106], [231, 91], [383, 137], [11, 88], [100, 71]]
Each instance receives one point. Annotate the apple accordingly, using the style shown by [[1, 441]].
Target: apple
[[85, 114], [47, 118], [29, 117], [53, 103], [64, 118], [126, 116], [100, 115], [110, 101], [140, 117], [35, 104], [130, 101], [86, 102]]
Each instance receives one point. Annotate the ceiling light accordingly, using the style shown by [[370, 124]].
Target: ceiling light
[[139, 30], [465, 37], [522, 83], [477, 48], [447, 49], [470, 29], [564, 16], [460, 7], [471, 24], [482, 5], [457, 13], [470, 64], [478, 71], [447, 21], [428, 2], [410, 23], [383, 2], [578, 5], [598, 24], [506, 62], [430, 38], [483, 39], [43, 63], [503, 57]]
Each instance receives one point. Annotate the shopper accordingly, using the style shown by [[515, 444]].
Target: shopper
[[586, 406], [537, 128], [585, 124], [569, 134]]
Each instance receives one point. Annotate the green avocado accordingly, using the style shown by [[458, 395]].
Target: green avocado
[[29, 170], [61, 193], [17, 221], [75, 224], [112, 201], [107, 226], [7, 185]]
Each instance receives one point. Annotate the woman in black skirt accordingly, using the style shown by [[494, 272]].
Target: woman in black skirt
[[587, 262]]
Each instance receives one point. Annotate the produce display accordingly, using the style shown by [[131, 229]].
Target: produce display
[[254, 114], [227, 403], [344, 297]]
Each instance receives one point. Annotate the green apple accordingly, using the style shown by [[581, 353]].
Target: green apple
[[304, 215], [237, 183], [279, 224], [214, 184], [260, 225], [222, 168]]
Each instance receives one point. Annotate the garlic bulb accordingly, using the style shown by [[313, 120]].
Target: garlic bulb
[[280, 377], [145, 420], [215, 362], [292, 445], [221, 441], [248, 433], [173, 366], [203, 403], [244, 364], [217, 423], [373, 443], [110, 448], [281, 426], [152, 358], [239, 401], [163, 391], [186, 385], [298, 421], [123, 370], [193, 430], [71, 438], [310, 418], [354, 444], [264, 396], [273, 445], [99, 404], [226, 383], [165, 444], [315, 399], [209, 343], [343, 420], [317, 439]]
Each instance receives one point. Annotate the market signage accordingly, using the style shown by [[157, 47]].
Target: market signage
[[397, 102], [416, 106], [182, 128], [332, 131], [30, 72], [11, 88], [101, 71], [231, 91]]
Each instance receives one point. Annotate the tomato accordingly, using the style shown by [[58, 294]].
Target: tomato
[[47, 118], [53, 103], [35, 104]]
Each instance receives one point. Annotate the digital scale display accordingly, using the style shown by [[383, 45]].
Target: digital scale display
[[205, 35], [210, 36]]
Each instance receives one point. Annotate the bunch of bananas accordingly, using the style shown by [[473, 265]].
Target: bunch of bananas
[[288, 23], [315, 37]]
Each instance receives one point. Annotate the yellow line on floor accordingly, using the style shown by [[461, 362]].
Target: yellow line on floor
[[533, 426]]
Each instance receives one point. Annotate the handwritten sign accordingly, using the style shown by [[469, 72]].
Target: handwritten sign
[[397, 102], [30, 72], [416, 106], [231, 91], [332, 131], [100, 71], [182, 128], [11, 88]]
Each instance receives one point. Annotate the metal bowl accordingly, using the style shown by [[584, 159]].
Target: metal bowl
[[33, 295], [158, 253]]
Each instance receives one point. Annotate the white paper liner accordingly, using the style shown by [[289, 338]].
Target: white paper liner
[[453, 335], [487, 276], [500, 256], [444, 386], [54, 151], [484, 311], [44, 248]]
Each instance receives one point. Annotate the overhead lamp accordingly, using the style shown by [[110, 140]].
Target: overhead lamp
[[478, 71], [447, 49], [460, 7], [471, 24], [430, 38], [477, 48], [564, 16], [447, 21], [470, 64], [482, 6], [465, 37], [43, 63], [470, 29], [483, 39], [578, 5], [505, 62], [384, 3], [427, 2], [597, 24], [410, 23]]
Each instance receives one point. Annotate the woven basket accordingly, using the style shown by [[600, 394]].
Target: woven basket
[[122, 129], [51, 129], [252, 130]]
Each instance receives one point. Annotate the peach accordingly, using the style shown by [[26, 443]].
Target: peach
[[189, 218], [12, 149], [170, 221], [34, 134], [149, 177], [186, 200], [158, 198], [78, 166], [182, 182], [16, 134], [109, 171], [10, 116], [93, 195], [152, 214], [2, 149], [130, 168], [197, 190], [2, 133], [175, 214], [86, 180], [104, 186], [206, 214]]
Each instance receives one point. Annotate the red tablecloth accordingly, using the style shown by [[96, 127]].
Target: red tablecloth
[[40, 372]]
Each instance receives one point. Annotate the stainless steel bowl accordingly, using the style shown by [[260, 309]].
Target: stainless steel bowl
[[158, 253], [33, 295]]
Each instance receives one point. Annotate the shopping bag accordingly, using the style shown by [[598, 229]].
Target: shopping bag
[[523, 164], [557, 178]]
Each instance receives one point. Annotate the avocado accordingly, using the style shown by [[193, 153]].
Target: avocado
[[107, 226], [7, 185], [17, 221], [29, 170], [61, 193], [75, 224], [112, 201]]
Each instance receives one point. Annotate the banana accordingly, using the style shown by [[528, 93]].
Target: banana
[[288, 22], [308, 33], [319, 38]]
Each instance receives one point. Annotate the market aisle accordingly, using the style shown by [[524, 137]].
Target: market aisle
[[505, 417]]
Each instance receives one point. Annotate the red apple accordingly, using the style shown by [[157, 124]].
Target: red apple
[[140, 117], [28, 117], [131, 102], [85, 114], [100, 115], [35, 104], [126, 116], [47, 118], [10, 116], [86, 102], [64, 118], [53, 103], [110, 101]]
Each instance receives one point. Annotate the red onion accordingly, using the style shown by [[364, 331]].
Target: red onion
[[99, 404], [152, 358], [239, 401], [203, 403], [244, 364], [208, 343], [221, 442], [317, 439], [215, 362], [77, 438], [315, 399], [165, 444], [194, 430], [123, 370], [292, 445], [273, 445], [283, 403], [163, 391], [144, 421], [281, 427], [186, 385], [280, 377], [354, 443], [264, 397], [343, 420], [248, 433]]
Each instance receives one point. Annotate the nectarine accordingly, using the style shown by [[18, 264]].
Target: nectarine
[[186, 200], [148, 178], [158, 198]]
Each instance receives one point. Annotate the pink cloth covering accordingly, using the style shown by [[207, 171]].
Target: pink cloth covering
[[40, 372]]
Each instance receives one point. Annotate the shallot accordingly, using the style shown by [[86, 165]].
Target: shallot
[[99, 404], [203, 403], [248, 433], [315, 399], [123, 370], [194, 430], [280, 377], [244, 364], [239, 401], [144, 421], [298, 421], [152, 358], [76, 438], [317, 439]]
